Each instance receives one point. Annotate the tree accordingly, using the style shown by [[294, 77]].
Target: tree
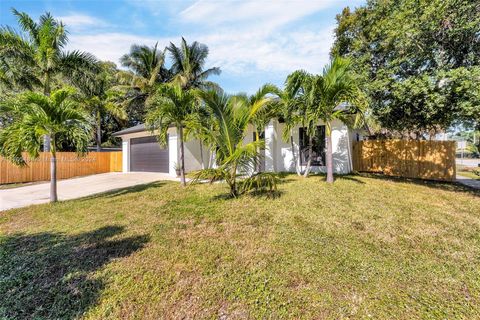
[[188, 65], [146, 70], [39, 50], [188, 70], [234, 157], [333, 95], [266, 109], [198, 126], [397, 46], [291, 109], [36, 115], [96, 98], [171, 105]]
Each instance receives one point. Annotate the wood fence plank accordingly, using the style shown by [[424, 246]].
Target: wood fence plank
[[432, 160], [68, 165]]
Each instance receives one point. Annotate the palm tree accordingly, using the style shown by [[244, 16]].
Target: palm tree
[[35, 115], [40, 51], [171, 105], [146, 70], [97, 101], [198, 126], [188, 64], [295, 108], [266, 109], [232, 116], [333, 95], [290, 109]]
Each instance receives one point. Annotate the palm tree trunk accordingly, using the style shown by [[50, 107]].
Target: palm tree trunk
[[182, 156], [328, 137], [233, 183], [310, 155], [295, 159], [99, 131], [46, 92], [53, 174]]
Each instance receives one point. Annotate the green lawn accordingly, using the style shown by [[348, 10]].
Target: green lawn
[[364, 247]]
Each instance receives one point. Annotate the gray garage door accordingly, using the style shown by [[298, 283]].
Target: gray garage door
[[147, 155]]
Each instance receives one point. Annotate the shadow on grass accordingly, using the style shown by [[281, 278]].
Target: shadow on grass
[[127, 190], [50, 275], [442, 185]]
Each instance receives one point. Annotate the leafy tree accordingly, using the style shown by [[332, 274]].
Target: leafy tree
[[36, 115], [95, 98], [409, 46], [188, 65], [36, 56], [171, 106], [232, 116]]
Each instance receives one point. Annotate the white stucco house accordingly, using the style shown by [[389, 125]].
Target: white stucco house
[[141, 151]]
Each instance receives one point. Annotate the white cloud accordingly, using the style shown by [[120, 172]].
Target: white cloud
[[266, 36], [81, 21], [264, 39], [277, 53], [265, 15], [110, 46]]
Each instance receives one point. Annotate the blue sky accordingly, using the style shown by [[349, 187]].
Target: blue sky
[[253, 42]]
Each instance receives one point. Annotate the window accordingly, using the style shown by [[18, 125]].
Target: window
[[318, 150]]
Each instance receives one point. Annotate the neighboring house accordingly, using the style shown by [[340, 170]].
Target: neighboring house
[[141, 151]]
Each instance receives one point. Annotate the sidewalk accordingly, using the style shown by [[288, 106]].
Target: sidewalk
[[472, 183]]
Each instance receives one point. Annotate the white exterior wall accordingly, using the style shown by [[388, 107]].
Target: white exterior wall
[[193, 155], [192, 152], [278, 153], [283, 156], [172, 151], [125, 154]]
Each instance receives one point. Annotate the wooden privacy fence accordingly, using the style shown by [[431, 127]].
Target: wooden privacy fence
[[68, 165], [432, 160]]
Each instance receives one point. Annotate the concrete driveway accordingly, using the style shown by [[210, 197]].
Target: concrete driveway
[[76, 188]]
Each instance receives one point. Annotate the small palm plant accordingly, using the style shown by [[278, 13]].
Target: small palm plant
[[234, 157], [35, 115], [169, 106]]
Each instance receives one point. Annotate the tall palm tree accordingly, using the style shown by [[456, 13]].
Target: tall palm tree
[[188, 70], [96, 98], [35, 115], [40, 49], [232, 117], [171, 105], [188, 65], [334, 94], [296, 108], [146, 70], [291, 109]]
